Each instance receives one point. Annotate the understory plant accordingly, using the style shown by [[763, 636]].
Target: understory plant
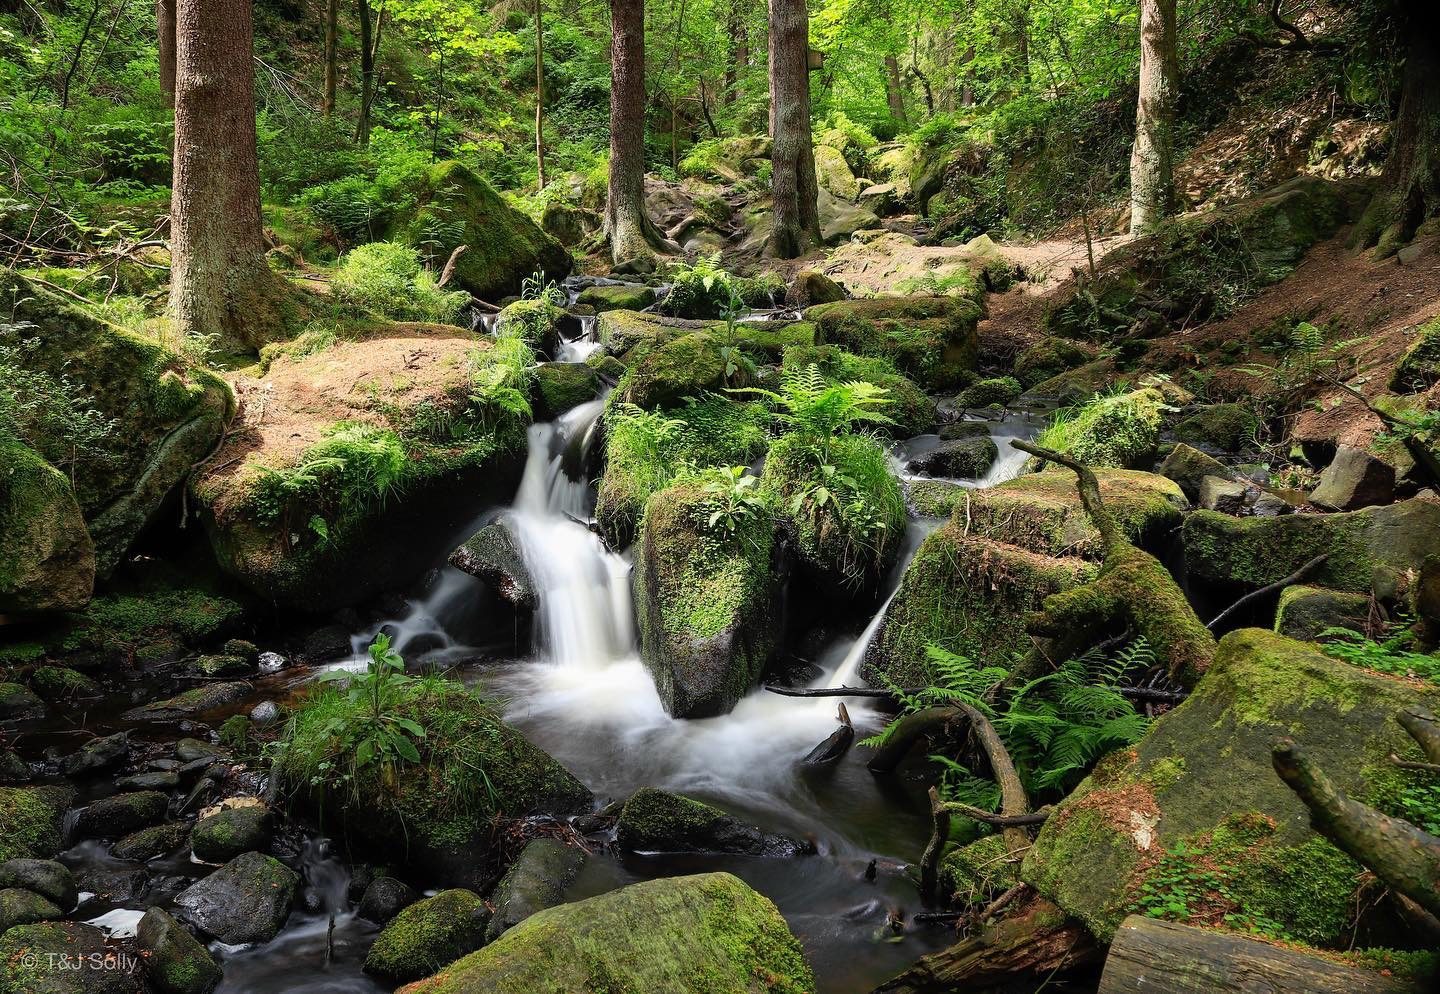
[[372, 731], [1394, 654], [52, 414], [1116, 430], [388, 279], [355, 468]]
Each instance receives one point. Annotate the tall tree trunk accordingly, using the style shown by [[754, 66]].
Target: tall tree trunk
[[1152, 163], [734, 25], [967, 87], [332, 44], [894, 93], [165, 33], [1409, 192], [220, 283], [796, 216], [539, 97], [367, 73], [625, 220]]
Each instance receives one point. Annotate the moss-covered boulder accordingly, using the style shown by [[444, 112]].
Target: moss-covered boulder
[[1306, 612], [153, 842], [536, 880], [434, 812], [623, 297], [166, 414], [534, 321], [1419, 367], [493, 555], [1188, 467], [26, 952], [222, 836], [1219, 427], [18, 703], [246, 900], [833, 173], [560, 386], [33, 820], [973, 875], [968, 595], [428, 935], [47, 561], [203, 699], [811, 287], [1118, 431], [961, 459], [175, 962], [932, 340], [60, 683], [1196, 804], [374, 450], [23, 907], [121, 814], [1379, 549], [505, 247], [51, 880], [680, 368], [630, 334], [1048, 358], [996, 392], [655, 820], [708, 932], [706, 595], [910, 408]]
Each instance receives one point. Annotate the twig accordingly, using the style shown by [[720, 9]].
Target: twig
[[1408, 764], [1270, 588], [999, 821]]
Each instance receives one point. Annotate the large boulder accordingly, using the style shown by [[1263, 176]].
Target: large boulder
[[456, 207], [47, 561], [175, 962], [932, 340], [493, 554], [23, 907], [51, 880], [683, 367], [27, 952], [246, 900], [166, 414], [706, 597], [655, 820], [708, 932], [620, 296], [120, 814], [1306, 612], [428, 934], [34, 819], [536, 880], [1354, 479], [561, 386], [1197, 798], [833, 173]]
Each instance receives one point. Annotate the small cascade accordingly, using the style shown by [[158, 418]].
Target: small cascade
[[848, 671], [327, 881], [581, 347]]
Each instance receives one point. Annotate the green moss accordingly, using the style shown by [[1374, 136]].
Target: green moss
[[33, 819], [1222, 427], [533, 321], [930, 339], [56, 683], [1422, 965], [935, 498], [1119, 431], [429, 934], [127, 621], [975, 874], [683, 367], [561, 386], [988, 393], [610, 298], [654, 819], [910, 408], [1419, 368], [47, 561], [1047, 358]]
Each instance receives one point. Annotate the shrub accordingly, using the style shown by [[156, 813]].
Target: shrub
[[357, 466], [700, 290], [387, 279], [51, 414], [1118, 431]]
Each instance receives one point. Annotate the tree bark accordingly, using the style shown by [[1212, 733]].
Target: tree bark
[[1409, 192], [734, 33], [220, 283], [332, 45], [165, 33], [539, 97], [796, 191], [1152, 162], [625, 220], [894, 92], [367, 72]]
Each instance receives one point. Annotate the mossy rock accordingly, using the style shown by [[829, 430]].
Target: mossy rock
[[1119, 431], [833, 173], [219, 665], [1188, 467], [932, 340], [1075, 386], [769, 339], [168, 413], [163, 611], [19, 703], [505, 247], [23, 907], [989, 393], [973, 875], [910, 408], [175, 962], [968, 595], [1419, 367], [1305, 612], [962, 459], [1198, 794], [631, 334], [708, 932], [537, 880], [57, 683], [189, 703], [683, 367], [535, 322], [1219, 428], [936, 498], [27, 950], [33, 819], [1378, 549], [625, 297], [1048, 358], [655, 820], [120, 814], [560, 386], [245, 901], [428, 935], [51, 880], [47, 561], [226, 834], [707, 600], [153, 842], [1040, 512]]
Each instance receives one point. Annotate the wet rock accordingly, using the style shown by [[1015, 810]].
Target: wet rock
[[34, 819], [152, 843], [155, 780], [655, 820], [628, 297], [682, 367], [966, 459], [112, 885], [536, 880], [1225, 496], [812, 287], [51, 880], [218, 666], [561, 386], [266, 713], [97, 755], [226, 834], [1219, 428], [23, 907], [271, 662], [13, 769], [429, 934], [1354, 479], [932, 340], [189, 750], [19, 703], [709, 925], [59, 683], [1305, 612], [246, 900], [1188, 466], [1202, 777], [493, 555], [112, 817], [195, 701], [385, 898], [175, 963], [961, 430], [244, 648], [326, 643], [26, 951], [988, 393]]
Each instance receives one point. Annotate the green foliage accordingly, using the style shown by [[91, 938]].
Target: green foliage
[[51, 414], [369, 727], [1392, 656], [356, 467], [1116, 430], [732, 497], [387, 279], [817, 409], [701, 289], [500, 378]]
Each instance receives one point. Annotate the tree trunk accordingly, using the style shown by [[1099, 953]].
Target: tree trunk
[[539, 98], [894, 93], [625, 220], [1152, 163], [332, 44], [1409, 192], [734, 26], [367, 73], [220, 283], [165, 33], [967, 89], [796, 216]]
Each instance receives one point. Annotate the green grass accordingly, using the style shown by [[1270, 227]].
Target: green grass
[[387, 279], [1117, 430]]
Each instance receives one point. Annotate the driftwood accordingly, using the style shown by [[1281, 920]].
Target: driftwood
[[1270, 588], [448, 272], [1149, 956], [836, 745]]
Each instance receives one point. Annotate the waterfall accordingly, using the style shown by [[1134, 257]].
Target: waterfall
[[849, 667]]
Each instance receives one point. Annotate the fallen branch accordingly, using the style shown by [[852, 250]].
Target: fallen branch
[[832, 691], [1270, 588], [999, 820], [449, 271], [905, 733]]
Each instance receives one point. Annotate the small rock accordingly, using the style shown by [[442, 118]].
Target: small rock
[[246, 900], [13, 769], [655, 820], [271, 662], [385, 898], [1225, 496], [220, 666], [97, 755], [175, 962], [1187, 466], [493, 555], [1268, 505], [59, 683], [428, 935], [265, 713], [155, 780], [197, 700], [1304, 612], [1354, 479], [112, 817], [152, 843], [19, 703], [247, 651], [968, 458], [329, 642], [51, 880], [812, 287], [189, 750], [228, 833], [109, 885]]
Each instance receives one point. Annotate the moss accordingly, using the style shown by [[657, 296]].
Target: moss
[[1047, 358], [975, 874], [57, 683], [1305, 612], [684, 367], [988, 393], [47, 560], [654, 819], [560, 386], [705, 933], [1221, 428], [1419, 368], [910, 408], [1119, 431], [27, 950], [935, 498], [429, 934], [32, 819], [127, 621], [611, 298], [532, 321], [771, 339], [930, 339]]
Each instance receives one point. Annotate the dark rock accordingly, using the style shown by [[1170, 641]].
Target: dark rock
[[964, 429], [428, 935], [385, 898], [59, 683], [152, 843], [97, 755], [1188, 466], [19, 703], [966, 459], [836, 744], [1268, 505], [537, 880], [23, 907], [190, 750], [197, 700], [1220, 428], [988, 393], [327, 643], [655, 820], [51, 880], [1354, 479], [1304, 612], [493, 555], [215, 666], [155, 780], [112, 885], [13, 769], [246, 650], [228, 833], [96, 968], [175, 962], [246, 900], [1225, 496], [112, 817]]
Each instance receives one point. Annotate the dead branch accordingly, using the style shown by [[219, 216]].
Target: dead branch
[[449, 271], [1270, 588]]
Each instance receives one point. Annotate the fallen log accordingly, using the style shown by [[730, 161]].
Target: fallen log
[[1148, 956], [905, 733], [836, 745]]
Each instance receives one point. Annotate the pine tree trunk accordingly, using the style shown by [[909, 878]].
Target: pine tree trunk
[[894, 93], [1152, 162], [1409, 193], [796, 191], [367, 73], [539, 97], [165, 35], [733, 27], [332, 44], [220, 283], [625, 205]]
